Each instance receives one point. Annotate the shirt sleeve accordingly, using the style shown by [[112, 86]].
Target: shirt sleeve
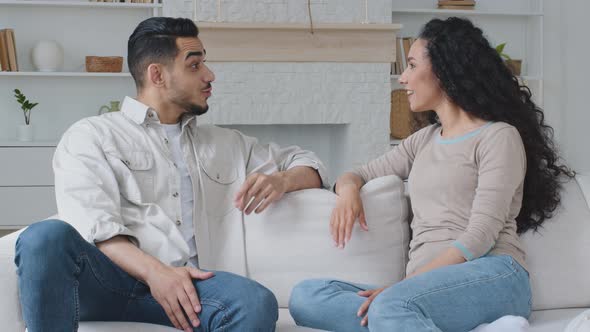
[[502, 168], [398, 161], [86, 190], [270, 158]]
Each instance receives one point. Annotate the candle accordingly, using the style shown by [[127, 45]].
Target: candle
[[218, 10], [194, 11]]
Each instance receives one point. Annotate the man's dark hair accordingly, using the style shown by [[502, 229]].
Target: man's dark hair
[[154, 41]]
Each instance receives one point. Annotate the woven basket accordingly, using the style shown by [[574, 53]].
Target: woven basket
[[104, 64], [399, 117], [402, 121]]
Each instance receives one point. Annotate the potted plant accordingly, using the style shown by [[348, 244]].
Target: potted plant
[[25, 132], [512, 64]]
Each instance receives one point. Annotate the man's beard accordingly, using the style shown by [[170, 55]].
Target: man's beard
[[194, 109]]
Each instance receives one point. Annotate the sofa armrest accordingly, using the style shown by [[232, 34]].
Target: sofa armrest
[[10, 313]]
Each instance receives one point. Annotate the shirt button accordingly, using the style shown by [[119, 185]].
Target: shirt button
[[127, 162], [175, 165], [178, 222], [175, 195], [166, 140]]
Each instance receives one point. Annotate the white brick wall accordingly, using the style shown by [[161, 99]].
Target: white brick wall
[[354, 96]]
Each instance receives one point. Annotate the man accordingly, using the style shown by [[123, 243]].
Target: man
[[152, 197]]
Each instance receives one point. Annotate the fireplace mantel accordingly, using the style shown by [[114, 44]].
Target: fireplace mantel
[[294, 42]]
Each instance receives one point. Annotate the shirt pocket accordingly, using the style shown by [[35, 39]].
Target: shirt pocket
[[220, 185], [134, 173]]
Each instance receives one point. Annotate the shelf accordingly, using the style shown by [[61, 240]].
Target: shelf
[[12, 144], [80, 4], [445, 12], [61, 74], [295, 42], [526, 78]]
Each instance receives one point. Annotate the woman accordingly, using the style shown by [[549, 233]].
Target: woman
[[483, 172]]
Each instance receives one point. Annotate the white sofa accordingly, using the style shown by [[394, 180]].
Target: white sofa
[[290, 242]]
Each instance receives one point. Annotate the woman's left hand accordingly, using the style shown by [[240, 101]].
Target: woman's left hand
[[370, 294]]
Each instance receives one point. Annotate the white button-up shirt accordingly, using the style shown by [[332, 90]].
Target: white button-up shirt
[[115, 175]]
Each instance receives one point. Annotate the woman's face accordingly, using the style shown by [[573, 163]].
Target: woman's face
[[424, 92]]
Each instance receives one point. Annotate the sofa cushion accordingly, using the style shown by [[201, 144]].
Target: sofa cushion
[[290, 241], [554, 320], [557, 255], [10, 313]]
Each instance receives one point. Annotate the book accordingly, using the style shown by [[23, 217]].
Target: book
[[407, 44], [398, 57], [402, 53], [456, 7], [11, 46], [456, 2], [3, 52]]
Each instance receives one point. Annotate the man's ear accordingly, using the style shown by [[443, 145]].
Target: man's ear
[[156, 75]]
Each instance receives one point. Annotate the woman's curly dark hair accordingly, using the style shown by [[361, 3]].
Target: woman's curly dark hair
[[474, 77]]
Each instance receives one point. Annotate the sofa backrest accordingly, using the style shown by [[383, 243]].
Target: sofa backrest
[[291, 241], [558, 255]]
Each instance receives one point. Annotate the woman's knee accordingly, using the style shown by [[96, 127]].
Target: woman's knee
[[305, 298], [386, 303]]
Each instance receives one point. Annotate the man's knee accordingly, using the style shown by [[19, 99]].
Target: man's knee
[[256, 306], [45, 240], [265, 303]]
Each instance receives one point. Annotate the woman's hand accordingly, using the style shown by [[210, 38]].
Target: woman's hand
[[349, 208], [370, 294]]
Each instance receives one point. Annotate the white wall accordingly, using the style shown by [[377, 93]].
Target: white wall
[[338, 110], [575, 69]]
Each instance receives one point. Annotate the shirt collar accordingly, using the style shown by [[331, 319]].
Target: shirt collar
[[140, 113], [135, 110]]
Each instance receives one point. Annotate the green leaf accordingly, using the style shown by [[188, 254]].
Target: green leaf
[[500, 48]]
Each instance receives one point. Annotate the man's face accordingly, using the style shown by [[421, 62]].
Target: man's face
[[190, 83]]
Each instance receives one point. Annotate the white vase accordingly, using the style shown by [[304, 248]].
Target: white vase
[[25, 133], [47, 55]]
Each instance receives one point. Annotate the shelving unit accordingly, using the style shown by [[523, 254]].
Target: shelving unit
[[458, 12], [519, 23], [82, 28], [80, 4], [61, 74]]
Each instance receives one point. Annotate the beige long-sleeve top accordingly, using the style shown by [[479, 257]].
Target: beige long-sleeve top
[[466, 191]]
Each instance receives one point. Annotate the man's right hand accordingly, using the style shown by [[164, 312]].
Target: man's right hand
[[174, 290], [349, 208]]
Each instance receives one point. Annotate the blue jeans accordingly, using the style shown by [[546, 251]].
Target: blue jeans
[[63, 279], [453, 298]]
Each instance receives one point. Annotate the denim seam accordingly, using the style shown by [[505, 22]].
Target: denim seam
[[407, 303], [77, 304], [459, 285], [130, 299], [100, 280], [220, 306]]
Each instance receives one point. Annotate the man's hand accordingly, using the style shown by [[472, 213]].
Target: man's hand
[[174, 290], [260, 189], [371, 294]]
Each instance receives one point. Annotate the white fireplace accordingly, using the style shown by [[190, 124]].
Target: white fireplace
[[340, 110]]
